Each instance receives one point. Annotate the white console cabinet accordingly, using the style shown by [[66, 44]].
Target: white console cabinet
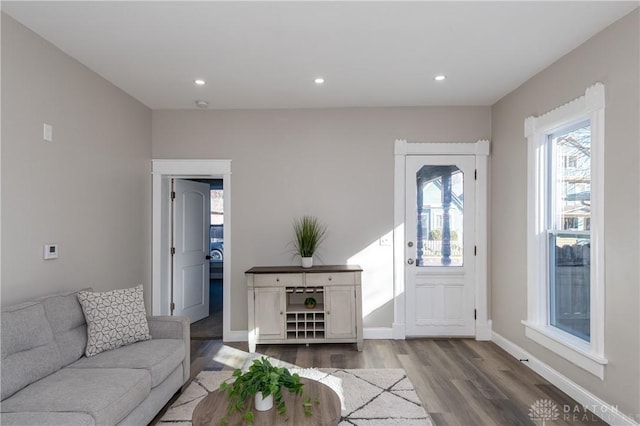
[[277, 313]]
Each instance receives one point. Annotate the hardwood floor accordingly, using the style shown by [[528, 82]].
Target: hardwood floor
[[208, 328], [460, 381]]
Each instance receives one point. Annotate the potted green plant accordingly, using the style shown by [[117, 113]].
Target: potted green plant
[[264, 382], [309, 233], [310, 302]]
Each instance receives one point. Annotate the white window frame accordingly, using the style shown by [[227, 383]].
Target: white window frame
[[587, 355]]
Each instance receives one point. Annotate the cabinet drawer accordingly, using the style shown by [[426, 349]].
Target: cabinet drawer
[[275, 280], [328, 278]]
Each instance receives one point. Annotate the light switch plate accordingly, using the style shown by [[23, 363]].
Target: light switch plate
[[50, 251], [47, 132]]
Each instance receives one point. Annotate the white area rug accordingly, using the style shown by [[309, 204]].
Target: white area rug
[[370, 397]]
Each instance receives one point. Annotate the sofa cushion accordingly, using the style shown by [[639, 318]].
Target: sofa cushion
[[67, 323], [114, 318], [29, 351], [107, 394], [158, 356]]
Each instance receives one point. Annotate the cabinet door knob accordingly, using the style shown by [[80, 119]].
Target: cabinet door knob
[[328, 312], [278, 279], [329, 278], [280, 312]]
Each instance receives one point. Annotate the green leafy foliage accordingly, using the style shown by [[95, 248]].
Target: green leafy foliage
[[263, 377], [306, 405], [436, 235], [309, 234]]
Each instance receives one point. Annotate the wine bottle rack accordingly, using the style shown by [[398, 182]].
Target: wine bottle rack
[[304, 322], [305, 325]]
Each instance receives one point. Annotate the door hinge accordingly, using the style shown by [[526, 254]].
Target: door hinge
[[173, 251], [475, 250], [475, 174], [173, 195], [173, 307], [475, 314]]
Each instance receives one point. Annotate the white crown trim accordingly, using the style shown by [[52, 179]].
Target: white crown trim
[[592, 100]]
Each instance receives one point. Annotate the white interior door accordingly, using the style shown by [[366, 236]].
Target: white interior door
[[191, 220], [439, 245]]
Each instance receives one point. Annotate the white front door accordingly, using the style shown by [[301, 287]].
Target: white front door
[[439, 245], [191, 220]]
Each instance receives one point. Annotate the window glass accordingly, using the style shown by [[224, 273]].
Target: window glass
[[568, 225]]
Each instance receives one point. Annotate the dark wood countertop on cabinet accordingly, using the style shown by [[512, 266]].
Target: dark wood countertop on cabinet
[[298, 269]]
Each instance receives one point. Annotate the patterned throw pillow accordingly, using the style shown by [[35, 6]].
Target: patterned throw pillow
[[114, 318]]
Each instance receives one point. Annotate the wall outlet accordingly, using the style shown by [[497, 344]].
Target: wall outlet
[[50, 251]]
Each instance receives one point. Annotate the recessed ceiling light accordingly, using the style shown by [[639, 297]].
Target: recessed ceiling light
[[319, 80], [439, 77], [199, 82], [202, 104]]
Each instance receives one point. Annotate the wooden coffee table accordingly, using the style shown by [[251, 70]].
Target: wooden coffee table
[[213, 408]]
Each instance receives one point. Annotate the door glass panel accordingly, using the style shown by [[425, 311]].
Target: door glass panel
[[439, 216]]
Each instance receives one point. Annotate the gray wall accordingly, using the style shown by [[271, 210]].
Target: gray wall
[[336, 164], [611, 57], [89, 190]]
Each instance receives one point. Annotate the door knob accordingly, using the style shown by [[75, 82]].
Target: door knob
[[410, 243], [410, 261]]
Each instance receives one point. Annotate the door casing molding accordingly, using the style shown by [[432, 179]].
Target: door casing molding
[[163, 171], [480, 150]]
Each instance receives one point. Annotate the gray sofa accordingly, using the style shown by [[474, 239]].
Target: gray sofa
[[47, 380]]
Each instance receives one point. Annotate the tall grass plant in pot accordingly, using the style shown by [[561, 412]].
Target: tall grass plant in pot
[[309, 233]]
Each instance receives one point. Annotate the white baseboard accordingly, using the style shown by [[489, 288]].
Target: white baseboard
[[367, 333], [483, 331], [236, 336], [586, 399], [398, 330], [377, 333]]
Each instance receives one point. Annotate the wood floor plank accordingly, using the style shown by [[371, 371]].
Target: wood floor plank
[[484, 413], [431, 399], [480, 380]]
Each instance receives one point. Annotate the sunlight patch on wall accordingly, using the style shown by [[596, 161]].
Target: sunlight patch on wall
[[376, 261]]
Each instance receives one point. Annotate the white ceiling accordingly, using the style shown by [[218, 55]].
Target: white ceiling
[[266, 54]]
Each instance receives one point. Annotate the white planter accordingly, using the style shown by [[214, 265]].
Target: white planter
[[307, 262], [263, 404]]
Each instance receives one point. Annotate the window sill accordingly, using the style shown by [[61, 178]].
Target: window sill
[[567, 346]]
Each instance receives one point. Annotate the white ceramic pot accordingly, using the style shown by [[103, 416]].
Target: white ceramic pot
[[263, 404], [307, 262]]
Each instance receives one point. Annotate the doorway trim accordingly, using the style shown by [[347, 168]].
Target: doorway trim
[[480, 150], [162, 171]]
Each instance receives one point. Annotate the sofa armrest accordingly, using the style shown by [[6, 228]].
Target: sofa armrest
[[165, 327]]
